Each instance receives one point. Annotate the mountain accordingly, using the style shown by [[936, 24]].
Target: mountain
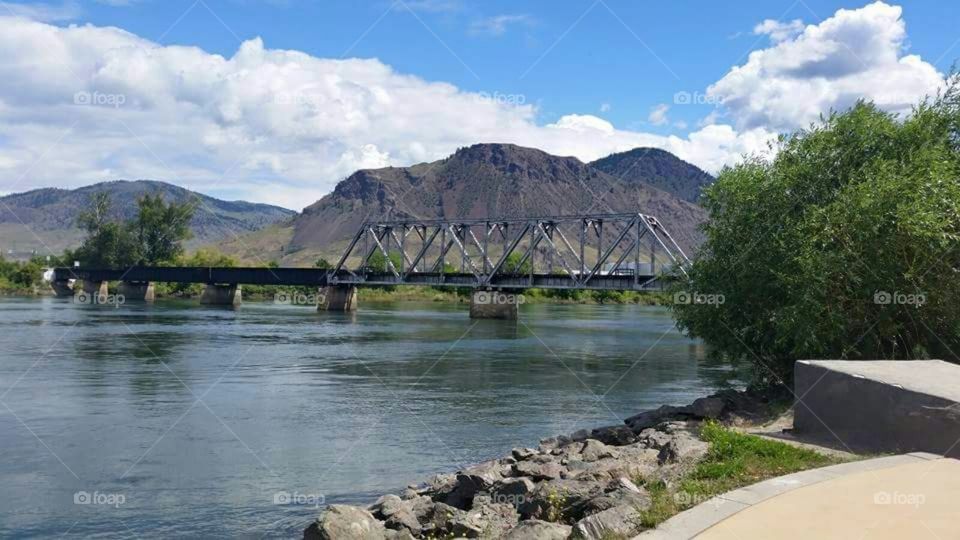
[[46, 218], [657, 168], [484, 180]]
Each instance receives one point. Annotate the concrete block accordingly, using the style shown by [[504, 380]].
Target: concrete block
[[221, 295], [881, 406], [494, 305], [136, 291], [90, 292], [338, 298]]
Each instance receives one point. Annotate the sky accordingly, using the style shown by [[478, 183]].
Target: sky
[[277, 100]]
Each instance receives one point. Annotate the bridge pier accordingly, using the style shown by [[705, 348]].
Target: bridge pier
[[215, 294], [141, 291], [493, 305], [62, 288], [338, 298], [89, 292]]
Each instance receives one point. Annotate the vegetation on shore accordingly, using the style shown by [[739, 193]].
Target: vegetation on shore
[[843, 245], [734, 460]]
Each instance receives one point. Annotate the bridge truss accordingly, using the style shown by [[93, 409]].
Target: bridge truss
[[600, 251]]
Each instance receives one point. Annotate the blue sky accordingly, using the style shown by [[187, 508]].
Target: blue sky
[[577, 78], [630, 55]]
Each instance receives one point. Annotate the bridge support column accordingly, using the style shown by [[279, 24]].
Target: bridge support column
[[62, 288], [493, 305], [338, 298], [140, 291], [89, 292], [221, 295]]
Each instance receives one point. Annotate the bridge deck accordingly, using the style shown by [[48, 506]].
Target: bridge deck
[[317, 277]]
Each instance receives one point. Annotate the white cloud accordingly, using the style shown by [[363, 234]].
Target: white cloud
[[605, 107], [272, 125], [658, 114], [854, 54], [779, 31], [498, 25]]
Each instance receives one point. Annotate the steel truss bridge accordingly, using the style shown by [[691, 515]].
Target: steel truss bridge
[[596, 251]]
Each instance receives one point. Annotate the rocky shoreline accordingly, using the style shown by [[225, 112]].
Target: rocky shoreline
[[589, 484]]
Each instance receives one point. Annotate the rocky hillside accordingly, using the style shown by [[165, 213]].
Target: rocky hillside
[[47, 217], [486, 180], [657, 168]]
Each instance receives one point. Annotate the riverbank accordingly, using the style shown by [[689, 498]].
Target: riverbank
[[608, 483], [400, 293]]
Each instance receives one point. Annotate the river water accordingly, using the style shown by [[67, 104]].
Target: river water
[[173, 420]]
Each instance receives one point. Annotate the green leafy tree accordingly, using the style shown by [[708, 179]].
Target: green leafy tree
[[160, 228], [378, 263], [844, 245], [108, 243], [323, 264], [512, 264]]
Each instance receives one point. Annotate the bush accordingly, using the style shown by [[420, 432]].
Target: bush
[[842, 246]]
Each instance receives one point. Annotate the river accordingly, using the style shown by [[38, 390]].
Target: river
[[173, 420]]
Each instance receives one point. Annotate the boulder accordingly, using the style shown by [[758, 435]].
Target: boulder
[[594, 450], [539, 468], [619, 521], [512, 491], [386, 506], [614, 435], [521, 454], [535, 529], [707, 407], [343, 522], [474, 479], [682, 448], [399, 535], [488, 520], [703, 408], [437, 519], [558, 496]]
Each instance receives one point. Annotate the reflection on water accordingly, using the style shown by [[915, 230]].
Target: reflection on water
[[202, 419]]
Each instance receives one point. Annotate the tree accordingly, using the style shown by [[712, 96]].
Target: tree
[[160, 228], [842, 246], [108, 243], [323, 264]]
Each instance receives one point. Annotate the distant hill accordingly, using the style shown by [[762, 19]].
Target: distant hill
[[47, 217], [657, 168], [484, 180]]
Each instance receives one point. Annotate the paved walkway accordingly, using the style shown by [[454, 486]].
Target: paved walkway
[[909, 496]]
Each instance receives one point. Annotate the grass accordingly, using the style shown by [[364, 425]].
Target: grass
[[734, 460]]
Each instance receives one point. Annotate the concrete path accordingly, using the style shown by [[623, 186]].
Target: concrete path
[[907, 496]]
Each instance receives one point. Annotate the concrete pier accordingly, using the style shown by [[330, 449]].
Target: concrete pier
[[90, 292], [494, 305], [221, 295], [880, 406], [337, 298], [62, 288], [139, 291]]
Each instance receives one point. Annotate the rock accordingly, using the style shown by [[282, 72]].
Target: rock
[[342, 522], [628, 485], [474, 479], [513, 491], [652, 438], [538, 471], [547, 445], [614, 435], [682, 448], [386, 506], [521, 454], [558, 497], [619, 521], [535, 529], [707, 407], [487, 521], [594, 450], [404, 520], [580, 435], [438, 519], [649, 419], [402, 534]]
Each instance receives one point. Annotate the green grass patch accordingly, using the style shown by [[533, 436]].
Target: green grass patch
[[733, 461]]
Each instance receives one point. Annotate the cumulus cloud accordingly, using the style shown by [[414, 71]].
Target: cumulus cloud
[[40, 11], [88, 103], [854, 54], [778, 31]]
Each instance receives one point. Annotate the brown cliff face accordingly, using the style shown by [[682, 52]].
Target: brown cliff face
[[487, 180]]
